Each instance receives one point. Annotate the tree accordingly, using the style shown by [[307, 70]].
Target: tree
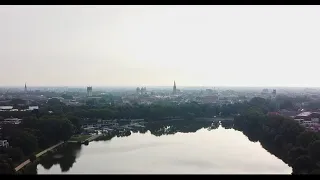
[[305, 138], [55, 128], [314, 105], [6, 165], [26, 141], [296, 152], [54, 102], [260, 103], [65, 129], [76, 123], [15, 154], [302, 164], [314, 149], [55, 105], [17, 101], [67, 96], [30, 122], [90, 102], [279, 140], [286, 104]]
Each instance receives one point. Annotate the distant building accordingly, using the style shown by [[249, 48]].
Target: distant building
[[274, 92], [265, 91], [6, 108], [15, 121], [143, 90], [174, 87], [138, 90], [308, 118], [4, 143], [25, 88], [31, 108], [89, 91]]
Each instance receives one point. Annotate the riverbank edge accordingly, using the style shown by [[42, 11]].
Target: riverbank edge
[[51, 149], [91, 138]]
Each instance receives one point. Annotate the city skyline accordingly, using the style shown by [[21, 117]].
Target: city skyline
[[116, 46]]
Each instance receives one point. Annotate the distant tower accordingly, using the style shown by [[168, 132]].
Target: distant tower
[[138, 90], [174, 87], [144, 90], [89, 91], [25, 88], [274, 92]]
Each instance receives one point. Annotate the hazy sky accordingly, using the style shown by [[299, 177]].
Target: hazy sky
[[154, 45]]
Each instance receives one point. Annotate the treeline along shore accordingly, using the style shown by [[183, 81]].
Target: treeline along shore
[[282, 137], [57, 122]]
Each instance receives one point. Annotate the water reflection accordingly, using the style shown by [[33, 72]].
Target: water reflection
[[65, 161], [208, 154], [254, 136], [165, 128], [70, 153]]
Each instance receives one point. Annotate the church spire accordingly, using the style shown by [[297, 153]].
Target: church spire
[[174, 87], [25, 87]]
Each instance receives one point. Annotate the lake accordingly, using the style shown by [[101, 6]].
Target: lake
[[167, 149]]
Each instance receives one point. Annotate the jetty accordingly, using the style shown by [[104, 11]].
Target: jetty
[[91, 138]]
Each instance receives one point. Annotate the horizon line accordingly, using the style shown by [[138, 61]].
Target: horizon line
[[132, 86]]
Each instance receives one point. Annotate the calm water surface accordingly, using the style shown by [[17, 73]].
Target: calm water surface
[[217, 151]]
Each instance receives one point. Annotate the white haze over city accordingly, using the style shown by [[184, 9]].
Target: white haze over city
[[155, 45]]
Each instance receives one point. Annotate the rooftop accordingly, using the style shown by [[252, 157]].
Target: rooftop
[[305, 114], [33, 107], [6, 107], [12, 119]]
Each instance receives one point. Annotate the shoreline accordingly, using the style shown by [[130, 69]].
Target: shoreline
[[89, 139], [24, 164], [28, 161]]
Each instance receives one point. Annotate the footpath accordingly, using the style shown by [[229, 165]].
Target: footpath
[[37, 155]]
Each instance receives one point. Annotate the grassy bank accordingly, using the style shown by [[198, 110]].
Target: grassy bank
[[79, 138]]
